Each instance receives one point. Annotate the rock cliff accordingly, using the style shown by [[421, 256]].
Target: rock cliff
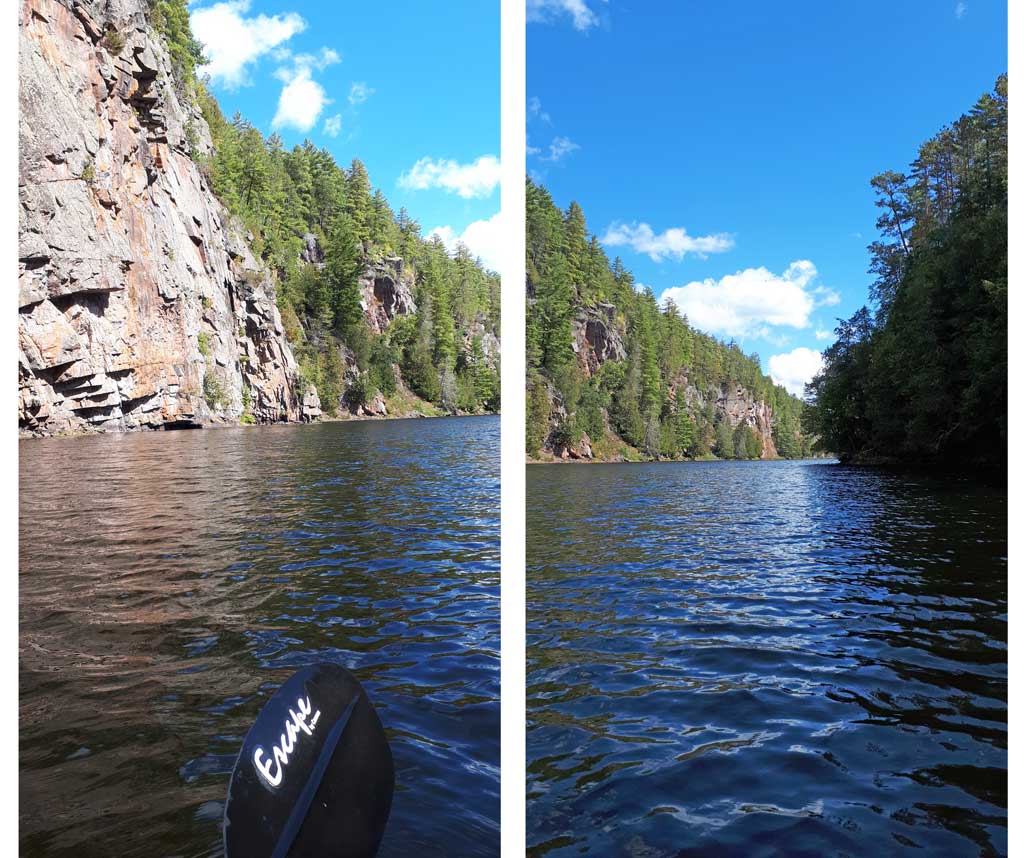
[[140, 303], [599, 338], [736, 405], [386, 289]]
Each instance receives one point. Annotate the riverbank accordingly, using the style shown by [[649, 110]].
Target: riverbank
[[662, 461], [235, 424]]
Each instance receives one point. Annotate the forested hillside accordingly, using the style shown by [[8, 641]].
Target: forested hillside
[[612, 375], [368, 304], [921, 376]]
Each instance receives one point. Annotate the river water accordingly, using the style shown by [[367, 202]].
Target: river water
[[170, 582], [764, 659]]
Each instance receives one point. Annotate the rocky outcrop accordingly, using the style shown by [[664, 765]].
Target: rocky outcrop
[[596, 337], [736, 405], [140, 303], [574, 450], [311, 252], [311, 405], [386, 289]]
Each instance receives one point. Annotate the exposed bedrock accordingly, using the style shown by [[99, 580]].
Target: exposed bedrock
[[140, 302]]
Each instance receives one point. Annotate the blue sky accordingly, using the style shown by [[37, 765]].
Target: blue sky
[[724, 149], [410, 88]]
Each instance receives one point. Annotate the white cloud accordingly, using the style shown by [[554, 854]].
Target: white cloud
[[750, 302], [302, 99], [300, 104], [359, 93], [484, 238], [582, 15], [478, 179], [794, 369], [822, 334], [332, 125], [674, 242], [961, 10], [232, 42]]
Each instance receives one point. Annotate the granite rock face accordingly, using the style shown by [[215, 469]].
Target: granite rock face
[[386, 289], [736, 405], [596, 338], [140, 303], [311, 410]]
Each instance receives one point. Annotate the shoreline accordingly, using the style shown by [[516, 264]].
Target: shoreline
[[219, 425], [711, 459]]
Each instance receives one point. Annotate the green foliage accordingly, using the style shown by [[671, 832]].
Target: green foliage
[[383, 358], [89, 172], [593, 399], [724, 446], [204, 344], [283, 195], [170, 19], [113, 41], [677, 433], [537, 408], [746, 442], [359, 392], [213, 392], [320, 364], [923, 376]]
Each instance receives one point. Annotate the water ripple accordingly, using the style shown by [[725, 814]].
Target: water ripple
[[735, 659], [170, 582]]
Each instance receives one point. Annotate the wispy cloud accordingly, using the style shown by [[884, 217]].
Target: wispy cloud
[[359, 93], [234, 41], [961, 10], [535, 110], [559, 148], [582, 15], [332, 125], [476, 179], [675, 242]]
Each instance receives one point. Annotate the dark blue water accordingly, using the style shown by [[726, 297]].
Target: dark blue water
[[764, 659], [170, 582]]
